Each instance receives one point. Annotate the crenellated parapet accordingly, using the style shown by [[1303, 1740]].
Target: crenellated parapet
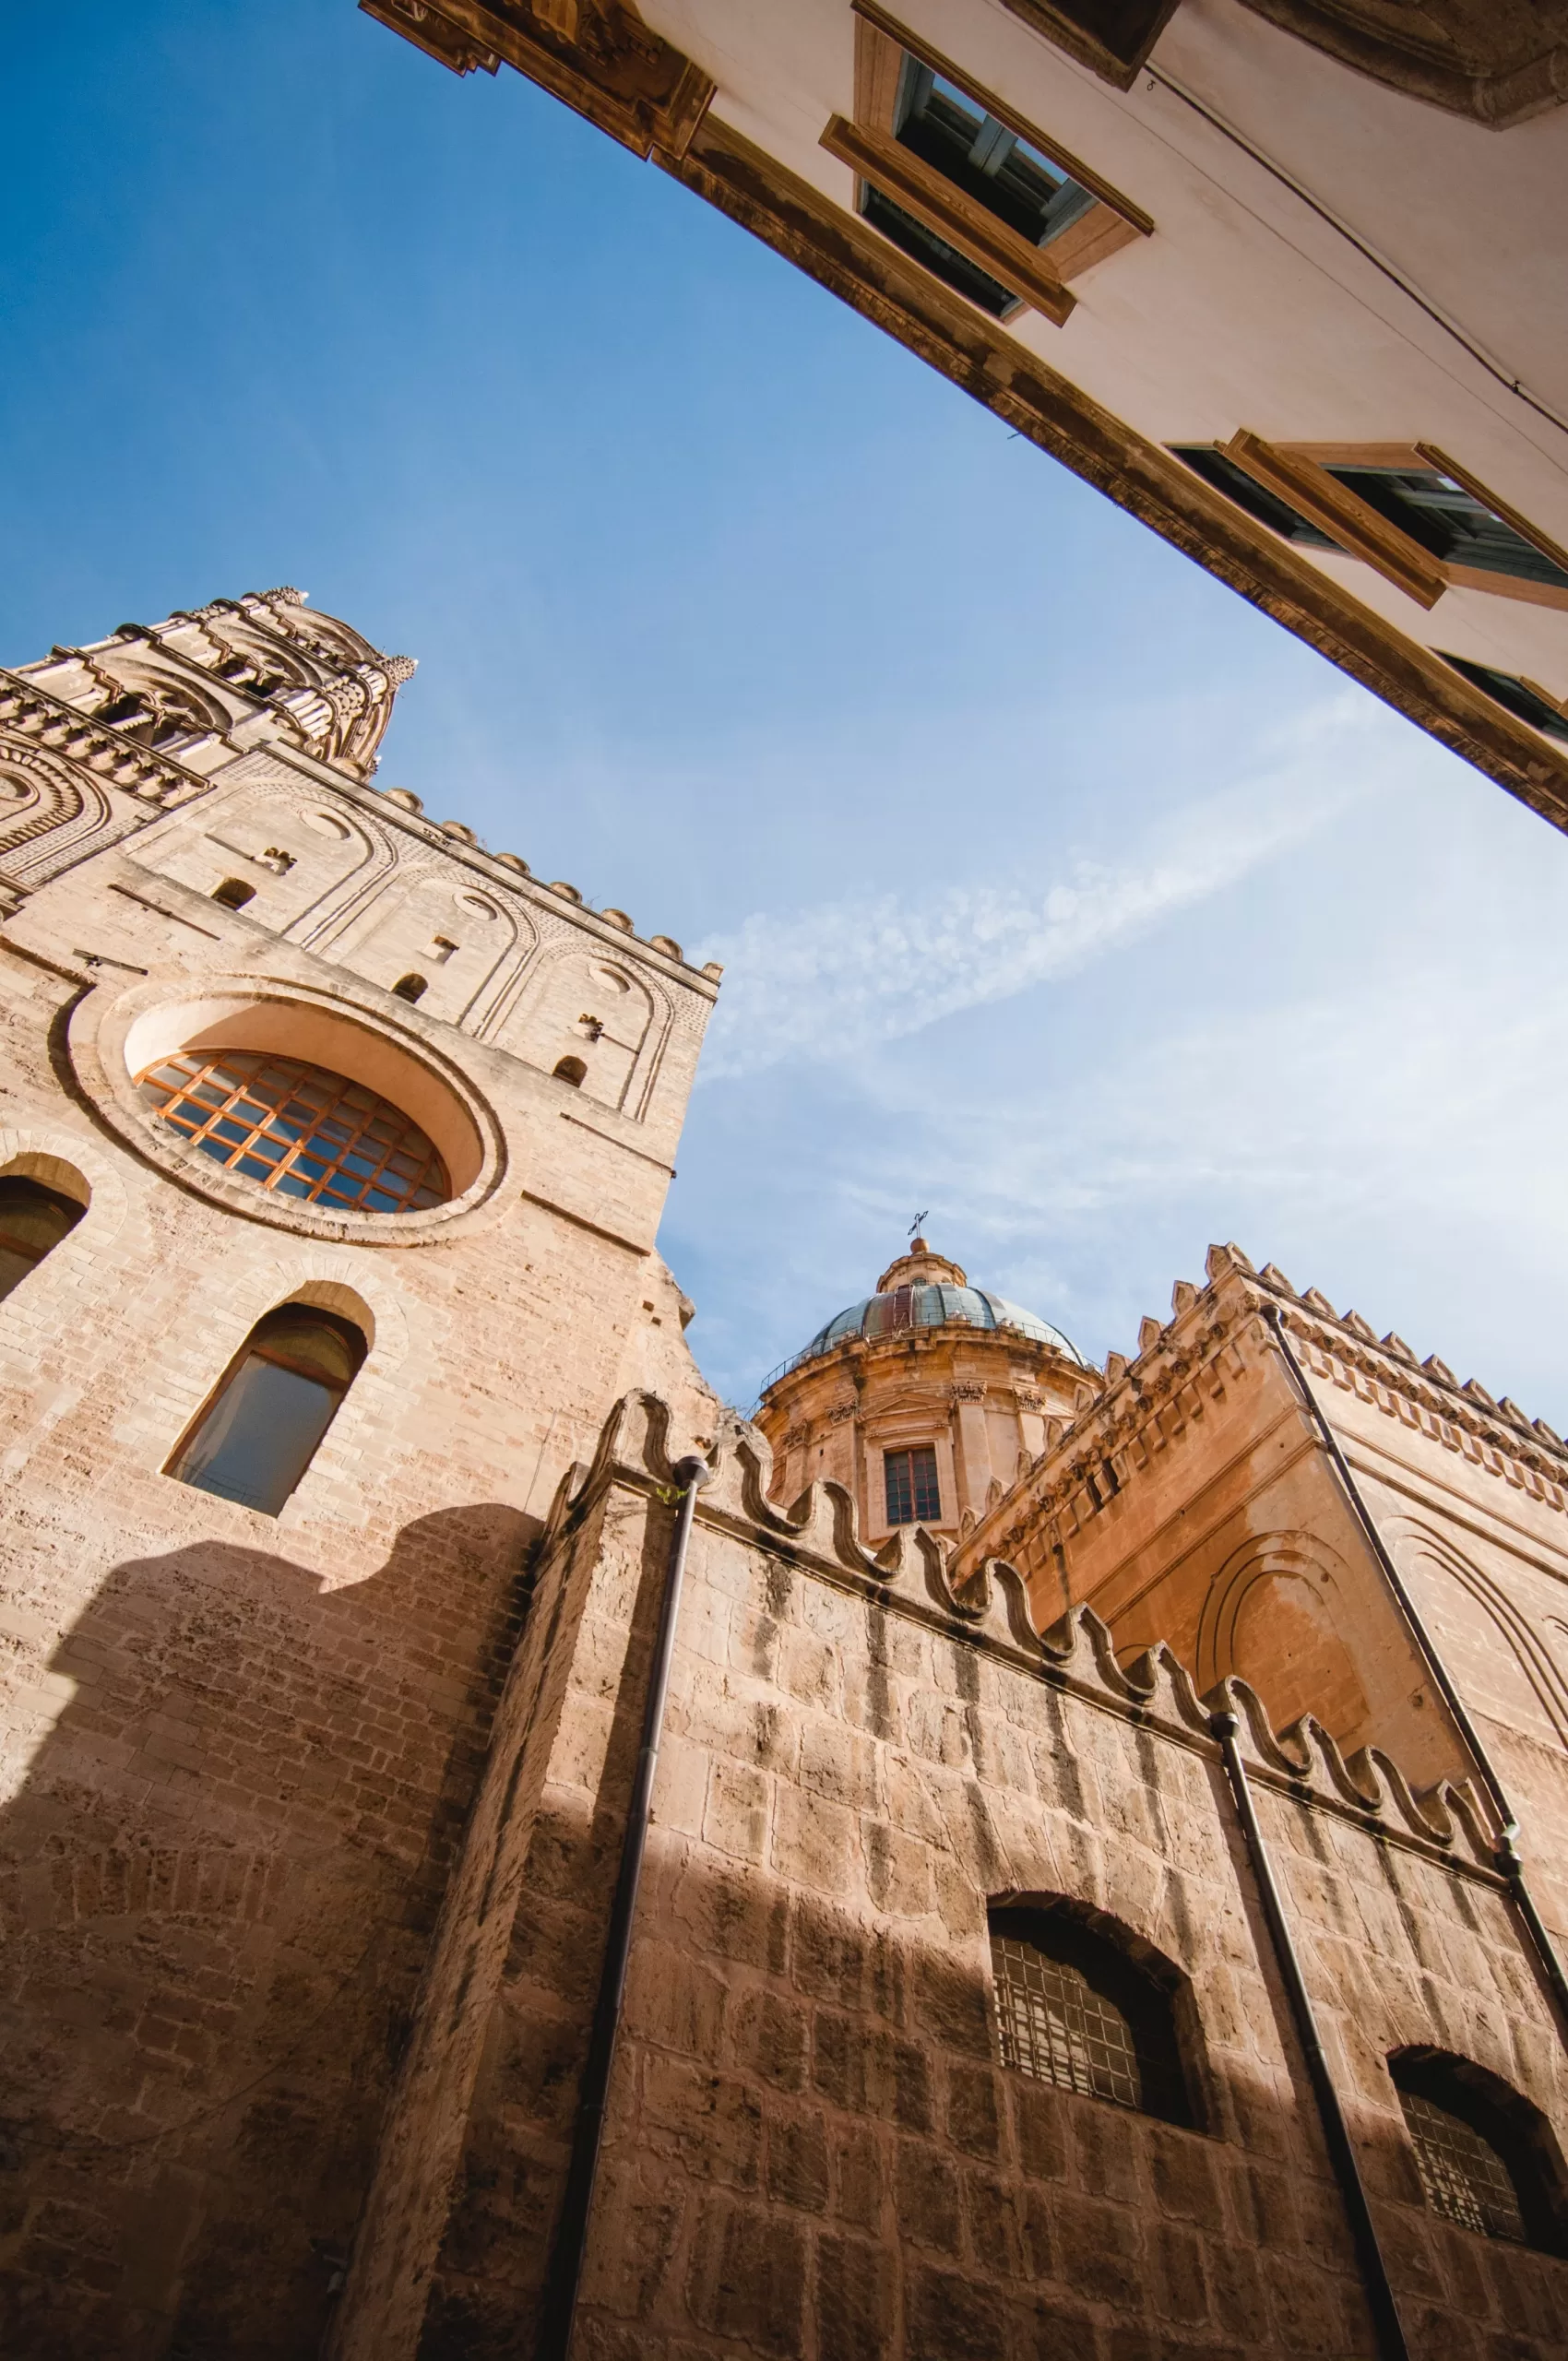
[[915, 1576]]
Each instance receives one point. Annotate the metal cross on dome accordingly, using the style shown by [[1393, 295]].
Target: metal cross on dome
[[916, 1225]]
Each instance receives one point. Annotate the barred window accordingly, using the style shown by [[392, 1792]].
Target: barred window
[[1461, 2172], [914, 1496], [1073, 2008], [1055, 2026], [297, 1129], [1483, 2154]]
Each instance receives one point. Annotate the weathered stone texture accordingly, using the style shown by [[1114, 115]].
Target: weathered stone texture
[[239, 1750], [813, 2150]]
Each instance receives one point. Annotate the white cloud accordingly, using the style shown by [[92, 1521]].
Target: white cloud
[[833, 980]]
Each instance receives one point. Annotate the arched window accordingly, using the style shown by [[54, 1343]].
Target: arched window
[[1073, 2008], [262, 1428], [411, 987], [570, 1070], [233, 892], [1484, 2155], [33, 1220]]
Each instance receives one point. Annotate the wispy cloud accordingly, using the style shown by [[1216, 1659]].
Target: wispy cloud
[[834, 980]]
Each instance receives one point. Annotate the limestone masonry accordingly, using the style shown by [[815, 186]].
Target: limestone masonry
[[1052, 1755]]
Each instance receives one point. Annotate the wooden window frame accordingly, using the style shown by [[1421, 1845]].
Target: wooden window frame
[[1298, 473], [1037, 276]]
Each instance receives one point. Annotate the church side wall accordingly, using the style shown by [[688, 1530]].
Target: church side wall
[[812, 2149]]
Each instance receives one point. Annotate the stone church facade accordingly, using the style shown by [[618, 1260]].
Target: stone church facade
[[1099, 1890]]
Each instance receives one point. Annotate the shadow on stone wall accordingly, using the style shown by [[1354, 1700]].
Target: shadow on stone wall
[[217, 1887]]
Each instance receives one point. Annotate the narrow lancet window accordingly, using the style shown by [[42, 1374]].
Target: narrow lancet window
[[33, 1220], [263, 1428]]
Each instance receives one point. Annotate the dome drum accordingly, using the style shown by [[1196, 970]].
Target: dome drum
[[931, 1434]]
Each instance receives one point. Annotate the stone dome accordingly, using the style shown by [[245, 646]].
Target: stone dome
[[925, 1290]]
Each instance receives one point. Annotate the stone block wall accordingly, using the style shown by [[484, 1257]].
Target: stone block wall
[[812, 2149], [238, 1752]]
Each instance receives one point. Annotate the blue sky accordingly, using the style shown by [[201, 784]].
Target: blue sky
[[1058, 892]]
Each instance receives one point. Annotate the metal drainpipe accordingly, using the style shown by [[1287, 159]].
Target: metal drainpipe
[[1390, 2341], [570, 2248], [1507, 1855]]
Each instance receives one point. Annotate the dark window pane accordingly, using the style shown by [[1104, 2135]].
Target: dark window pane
[[951, 131], [1238, 485], [34, 1219], [1511, 694], [260, 1435], [14, 1268], [1450, 522], [913, 1494], [944, 262]]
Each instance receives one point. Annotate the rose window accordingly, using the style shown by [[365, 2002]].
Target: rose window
[[300, 1130]]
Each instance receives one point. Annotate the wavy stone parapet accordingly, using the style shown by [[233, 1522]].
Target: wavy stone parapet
[[912, 1575]]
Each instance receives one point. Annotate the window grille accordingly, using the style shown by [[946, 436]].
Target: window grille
[[952, 132], [1055, 2026], [1465, 2177], [914, 1496], [260, 1432], [300, 1130], [32, 1222]]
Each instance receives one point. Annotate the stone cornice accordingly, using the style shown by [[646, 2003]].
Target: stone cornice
[[849, 1354], [1384, 1373], [1152, 1401]]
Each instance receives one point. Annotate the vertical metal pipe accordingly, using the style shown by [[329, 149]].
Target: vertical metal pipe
[[570, 2246], [1507, 1856], [1390, 2341]]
